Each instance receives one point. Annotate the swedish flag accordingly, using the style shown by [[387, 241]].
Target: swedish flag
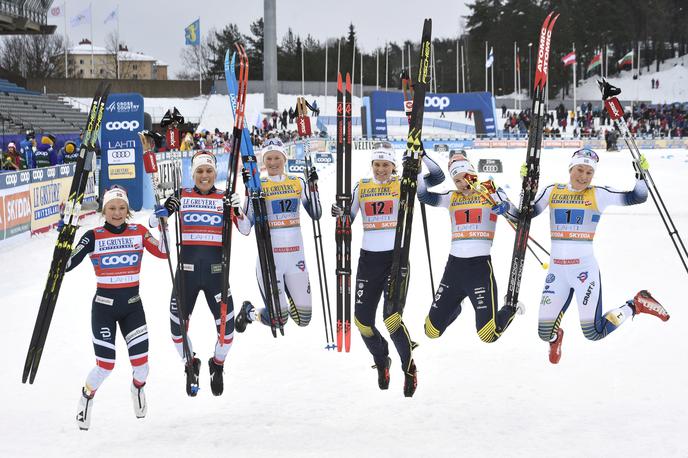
[[193, 33]]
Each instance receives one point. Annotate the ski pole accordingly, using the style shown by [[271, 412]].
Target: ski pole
[[615, 111]]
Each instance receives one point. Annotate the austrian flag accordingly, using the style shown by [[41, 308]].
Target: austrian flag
[[569, 59]]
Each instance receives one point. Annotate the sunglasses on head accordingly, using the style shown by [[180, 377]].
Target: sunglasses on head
[[382, 145], [585, 152]]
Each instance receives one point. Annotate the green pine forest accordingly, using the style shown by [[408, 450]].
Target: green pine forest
[[657, 27]]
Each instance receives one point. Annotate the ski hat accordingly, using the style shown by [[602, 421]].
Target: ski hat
[[274, 144], [203, 158], [70, 147], [584, 156], [116, 192], [461, 166], [11, 145], [383, 151]]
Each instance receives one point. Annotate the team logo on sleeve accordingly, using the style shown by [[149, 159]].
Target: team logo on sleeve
[[583, 276], [550, 278]]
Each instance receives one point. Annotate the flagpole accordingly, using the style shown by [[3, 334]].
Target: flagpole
[[492, 66], [457, 66], [303, 83], [377, 68], [486, 68], [327, 45], [515, 76], [386, 66], [409, 60], [339, 53], [463, 73], [574, 83], [66, 45], [90, 11]]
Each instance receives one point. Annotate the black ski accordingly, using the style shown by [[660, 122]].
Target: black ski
[[63, 247], [399, 275], [530, 181], [343, 229]]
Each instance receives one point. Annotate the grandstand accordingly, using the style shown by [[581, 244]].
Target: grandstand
[[21, 109], [25, 17]]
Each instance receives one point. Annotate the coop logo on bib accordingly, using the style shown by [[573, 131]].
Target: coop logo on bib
[[120, 260]]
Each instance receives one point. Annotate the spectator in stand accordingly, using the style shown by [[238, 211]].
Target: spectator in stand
[[292, 115], [10, 158], [45, 154], [314, 108], [68, 153], [657, 83], [274, 117], [283, 119], [26, 150]]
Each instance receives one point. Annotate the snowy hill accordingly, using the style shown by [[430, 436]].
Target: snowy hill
[[672, 76]]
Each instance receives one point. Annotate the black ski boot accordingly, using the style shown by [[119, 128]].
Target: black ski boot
[[607, 89], [192, 376], [217, 385], [243, 318], [410, 380], [383, 373]]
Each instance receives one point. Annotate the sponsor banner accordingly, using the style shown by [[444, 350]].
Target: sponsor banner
[[16, 212], [490, 166], [47, 200], [323, 158], [14, 179], [517, 143], [121, 172], [121, 147], [295, 166]]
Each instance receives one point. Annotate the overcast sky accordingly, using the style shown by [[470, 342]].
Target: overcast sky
[[156, 27]]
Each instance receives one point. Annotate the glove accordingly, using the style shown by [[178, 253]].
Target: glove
[[172, 205], [313, 177], [235, 200], [337, 211], [641, 166], [60, 225], [161, 211], [524, 170], [500, 208]]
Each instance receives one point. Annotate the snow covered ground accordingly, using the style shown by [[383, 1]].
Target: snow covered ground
[[623, 396]]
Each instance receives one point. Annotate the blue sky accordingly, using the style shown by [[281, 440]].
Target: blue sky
[[156, 27]]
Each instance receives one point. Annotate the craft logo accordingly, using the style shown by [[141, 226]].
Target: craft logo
[[586, 298]]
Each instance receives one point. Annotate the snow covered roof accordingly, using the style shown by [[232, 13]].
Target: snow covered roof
[[85, 49]]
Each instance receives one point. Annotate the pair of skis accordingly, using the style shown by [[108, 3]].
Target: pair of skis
[[399, 275], [253, 188], [529, 185], [65, 240], [343, 223], [303, 126], [150, 164]]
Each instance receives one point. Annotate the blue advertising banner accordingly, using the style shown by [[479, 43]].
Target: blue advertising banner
[[121, 149], [481, 104]]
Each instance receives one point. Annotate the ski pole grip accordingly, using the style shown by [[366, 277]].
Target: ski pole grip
[[150, 163]]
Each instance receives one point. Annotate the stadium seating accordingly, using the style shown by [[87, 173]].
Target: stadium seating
[[21, 109]]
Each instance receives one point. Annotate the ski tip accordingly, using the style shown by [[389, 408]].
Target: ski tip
[[339, 81], [348, 82]]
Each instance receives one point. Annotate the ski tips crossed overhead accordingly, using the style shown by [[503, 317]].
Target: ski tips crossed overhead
[[542, 67], [607, 89]]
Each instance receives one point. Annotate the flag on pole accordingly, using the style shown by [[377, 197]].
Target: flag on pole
[[57, 10], [490, 59], [82, 18], [112, 16], [193, 33], [569, 59], [626, 60], [595, 62], [518, 60]]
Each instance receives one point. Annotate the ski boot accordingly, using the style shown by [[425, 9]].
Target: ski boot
[[246, 315], [192, 376], [83, 413], [643, 302], [383, 373], [138, 397], [555, 347], [216, 380], [410, 380]]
